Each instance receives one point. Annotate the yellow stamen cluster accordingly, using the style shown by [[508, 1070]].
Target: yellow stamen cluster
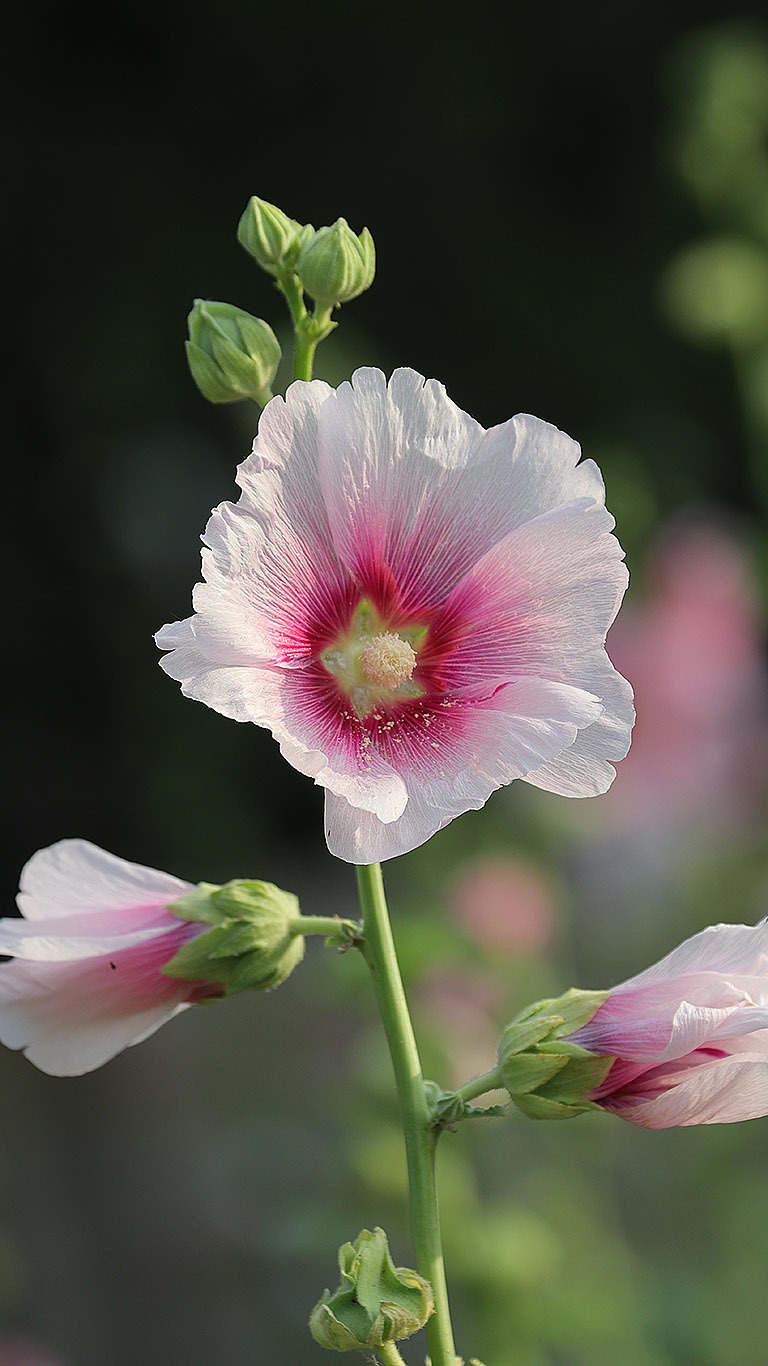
[[387, 660]]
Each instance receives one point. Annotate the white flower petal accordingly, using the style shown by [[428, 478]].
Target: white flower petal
[[75, 876], [721, 949], [413, 483], [586, 769]]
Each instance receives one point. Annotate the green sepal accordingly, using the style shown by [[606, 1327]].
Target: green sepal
[[198, 904], [540, 1107], [253, 942], [576, 1077], [376, 1301], [523, 1072], [539, 1064], [575, 1008], [524, 1032]]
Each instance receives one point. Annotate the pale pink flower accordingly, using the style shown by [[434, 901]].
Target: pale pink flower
[[459, 1009], [86, 979], [689, 1035], [415, 607], [695, 652]]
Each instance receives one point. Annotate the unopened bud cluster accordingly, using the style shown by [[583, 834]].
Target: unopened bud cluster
[[233, 355], [333, 264]]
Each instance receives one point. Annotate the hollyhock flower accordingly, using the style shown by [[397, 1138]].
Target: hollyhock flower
[[415, 607], [86, 979], [689, 1035]]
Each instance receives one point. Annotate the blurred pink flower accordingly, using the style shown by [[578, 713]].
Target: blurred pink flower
[[506, 904], [86, 981], [459, 1009], [690, 1035], [18, 1351], [415, 607], [695, 653]]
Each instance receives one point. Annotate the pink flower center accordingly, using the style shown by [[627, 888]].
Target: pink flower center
[[373, 661]]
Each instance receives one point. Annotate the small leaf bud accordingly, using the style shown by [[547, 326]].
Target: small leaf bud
[[231, 354], [255, 938], [335, 265], [376, 1301], [270, 236]]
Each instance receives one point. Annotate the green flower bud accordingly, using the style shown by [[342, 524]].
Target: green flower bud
[[376, 1301], [270, 236], [546, 1075], [335, 265], [231, 354], [255, 939]]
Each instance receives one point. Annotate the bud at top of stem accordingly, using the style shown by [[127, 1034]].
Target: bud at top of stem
[[231, 354], [270, 236], [335, 265]]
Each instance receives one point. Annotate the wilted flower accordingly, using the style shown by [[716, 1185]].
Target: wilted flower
[[415, 607], [87, 978], [689, 1035]]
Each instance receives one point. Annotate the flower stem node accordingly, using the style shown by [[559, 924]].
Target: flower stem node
[[231, 354], [254, 942], [335, 265], [376, 1303], [270, 236], [546, 1075]]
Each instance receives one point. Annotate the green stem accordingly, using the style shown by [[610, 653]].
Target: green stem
[[290, 285], [304, 356], [389, 1354], [489, 1081], [378, 949], [324, 924]]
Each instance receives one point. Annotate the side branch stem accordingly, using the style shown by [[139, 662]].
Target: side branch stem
[[489, 1081], [378, 949]]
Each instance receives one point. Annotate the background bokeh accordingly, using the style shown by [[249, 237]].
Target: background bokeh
[[571, 216]]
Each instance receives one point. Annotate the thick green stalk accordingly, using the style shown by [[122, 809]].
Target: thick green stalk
[[379, 951], [304, 356]]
